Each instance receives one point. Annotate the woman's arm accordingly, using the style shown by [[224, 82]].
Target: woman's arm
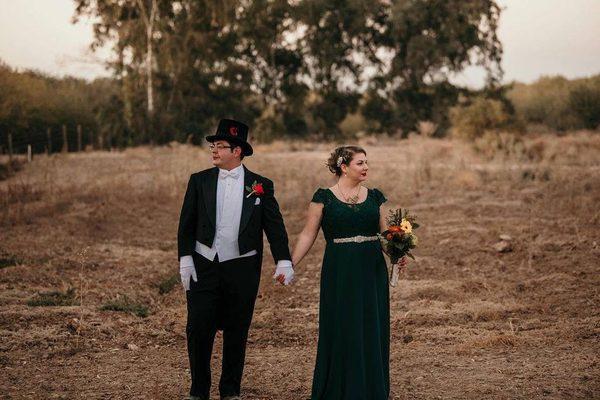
[[308, 235], [382, 223]]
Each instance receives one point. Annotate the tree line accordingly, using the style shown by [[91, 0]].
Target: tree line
[[287, 68], [42, 111]]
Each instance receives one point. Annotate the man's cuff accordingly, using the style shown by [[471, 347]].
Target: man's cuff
[[284, 264], [186, 261]]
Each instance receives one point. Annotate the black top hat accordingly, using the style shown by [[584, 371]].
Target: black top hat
[[234, 132]]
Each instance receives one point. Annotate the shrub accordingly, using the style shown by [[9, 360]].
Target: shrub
[[354, 125], [7, 260], [584, 101], [473, 120], [543, 102], [168, 283], [55, 298], [127, 305], [558, 103], [505, 144]]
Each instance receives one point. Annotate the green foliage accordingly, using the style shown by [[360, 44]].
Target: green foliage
[[8, 261], [544, 102], [31, 103], [285, 68], [396, 240], [558, 103], [584, 102], [427, 42], [472, 120], [396, 216], [259, 61], [123, 303], [167, 284], [55, 298]]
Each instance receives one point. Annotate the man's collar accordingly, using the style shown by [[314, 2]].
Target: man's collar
[[235, 172], [233, 169]]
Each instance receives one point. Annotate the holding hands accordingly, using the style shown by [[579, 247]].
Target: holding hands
[[284, 274]]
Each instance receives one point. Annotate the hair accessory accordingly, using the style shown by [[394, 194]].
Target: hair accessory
[[339, 161]]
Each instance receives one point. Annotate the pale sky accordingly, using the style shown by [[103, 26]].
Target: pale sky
[[540, 37]]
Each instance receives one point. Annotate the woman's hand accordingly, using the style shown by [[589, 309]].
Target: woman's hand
[[397, 269], [384, 250], [401, 264]]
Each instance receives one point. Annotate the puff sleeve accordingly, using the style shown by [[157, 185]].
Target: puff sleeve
[[319, 197], [379, 196]]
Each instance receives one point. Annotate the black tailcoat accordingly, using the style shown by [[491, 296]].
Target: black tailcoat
[[199, 212]]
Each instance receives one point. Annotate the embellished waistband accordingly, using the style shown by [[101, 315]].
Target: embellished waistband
[[356, 239]]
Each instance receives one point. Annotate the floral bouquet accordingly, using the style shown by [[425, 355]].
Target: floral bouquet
[[398, 239]]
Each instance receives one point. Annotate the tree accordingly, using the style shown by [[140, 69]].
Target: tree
[[149, 19], [295, 66], [423, 43]]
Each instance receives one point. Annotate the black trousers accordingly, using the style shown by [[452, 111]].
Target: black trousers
[[223, 298]]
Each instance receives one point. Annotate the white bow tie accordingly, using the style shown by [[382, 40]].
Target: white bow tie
[[224, 174]]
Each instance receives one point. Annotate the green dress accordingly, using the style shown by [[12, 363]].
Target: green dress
[[354, 313]]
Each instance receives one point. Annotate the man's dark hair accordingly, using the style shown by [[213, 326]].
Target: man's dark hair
[[233, 146]]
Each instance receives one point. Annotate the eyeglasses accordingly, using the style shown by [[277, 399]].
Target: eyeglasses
[[213, 146]]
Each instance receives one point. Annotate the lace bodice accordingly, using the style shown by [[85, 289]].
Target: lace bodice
[[341, 220]]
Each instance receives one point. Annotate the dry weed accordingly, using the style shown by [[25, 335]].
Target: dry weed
[[106, 222]]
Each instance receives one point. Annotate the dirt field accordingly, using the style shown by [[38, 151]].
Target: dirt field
[[82, 234]]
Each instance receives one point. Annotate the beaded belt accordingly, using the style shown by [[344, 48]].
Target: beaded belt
[[356, 239]]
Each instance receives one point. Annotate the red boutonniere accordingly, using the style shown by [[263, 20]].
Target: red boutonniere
[[257, 189]]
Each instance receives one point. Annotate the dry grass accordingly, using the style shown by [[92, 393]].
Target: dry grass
[[467, 322]]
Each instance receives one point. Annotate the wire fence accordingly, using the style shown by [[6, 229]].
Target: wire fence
[[53, 140]]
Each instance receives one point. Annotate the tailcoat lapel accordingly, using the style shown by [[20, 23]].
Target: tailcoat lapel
[[210, 195], [248, 204]]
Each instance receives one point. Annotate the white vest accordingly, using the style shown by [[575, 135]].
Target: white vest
[[230, 197]]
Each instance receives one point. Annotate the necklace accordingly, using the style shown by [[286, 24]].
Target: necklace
[[349, 199]]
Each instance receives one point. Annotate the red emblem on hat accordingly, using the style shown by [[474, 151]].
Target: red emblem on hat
[[233, 130]]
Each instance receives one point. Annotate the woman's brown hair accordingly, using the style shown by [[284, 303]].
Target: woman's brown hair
[[342, 155]]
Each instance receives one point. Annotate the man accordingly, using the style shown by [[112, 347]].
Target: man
[[220, 245]]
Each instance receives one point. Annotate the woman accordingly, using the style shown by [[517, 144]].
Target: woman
[[354, 317]]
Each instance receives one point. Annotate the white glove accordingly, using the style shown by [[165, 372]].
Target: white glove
[[187, 272], [288, 274]]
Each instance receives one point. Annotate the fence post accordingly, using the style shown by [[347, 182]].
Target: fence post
[[65, 147], [29, 155], [49, 137], [10, 147], [100, 141], [91, 140], [109, 140], [79, 138]]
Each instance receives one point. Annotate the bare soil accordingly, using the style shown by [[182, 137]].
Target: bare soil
[[468, 322]]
